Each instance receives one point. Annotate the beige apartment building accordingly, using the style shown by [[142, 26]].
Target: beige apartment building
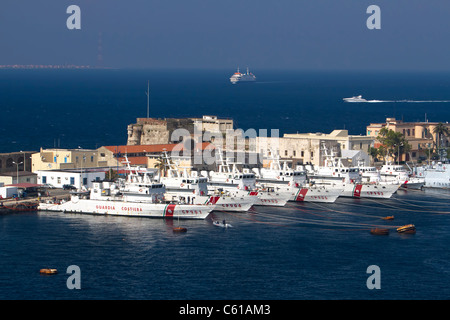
[[57, 159], [304, 148], [418, 134]]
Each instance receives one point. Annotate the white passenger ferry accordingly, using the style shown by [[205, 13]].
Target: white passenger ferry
[[242, 77]]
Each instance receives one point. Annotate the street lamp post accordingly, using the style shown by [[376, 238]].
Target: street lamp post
[[17, 165]]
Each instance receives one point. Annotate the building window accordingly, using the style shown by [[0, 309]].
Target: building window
[[92, 158], [409, 132], [294, 153], [312, 154], [302, 153], [285, 152], [44, 179], [59, 180]]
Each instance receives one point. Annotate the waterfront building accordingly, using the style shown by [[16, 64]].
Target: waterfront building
[[57, 159], [150, 155], [8, 161], [305, 148], [17, 177], [74, 177], [419, 135], [147, 131]]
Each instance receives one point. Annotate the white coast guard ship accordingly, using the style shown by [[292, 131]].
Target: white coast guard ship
[[333, 174], [191, 188], [293, 182], [399, 174], [242, 77], [137, 196], [436, 175], [242, 183]]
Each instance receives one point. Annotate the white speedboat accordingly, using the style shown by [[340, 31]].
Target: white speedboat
[[355, 99]]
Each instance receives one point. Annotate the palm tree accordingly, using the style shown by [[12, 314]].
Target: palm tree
[[440, 130], [160, 165]]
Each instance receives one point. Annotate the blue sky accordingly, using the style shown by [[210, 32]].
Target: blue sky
[[282, 34]]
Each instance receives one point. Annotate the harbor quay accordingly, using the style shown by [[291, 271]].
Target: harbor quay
[[201, 146]]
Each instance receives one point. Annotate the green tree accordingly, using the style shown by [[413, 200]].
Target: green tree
[[394, 142]]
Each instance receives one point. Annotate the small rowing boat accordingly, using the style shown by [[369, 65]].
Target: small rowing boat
[[379, 231], [179, 230], [48, 271], [222, 224]]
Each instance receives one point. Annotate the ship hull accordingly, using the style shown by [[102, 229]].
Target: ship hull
[[369, 190], [221, 203], [315, 195], [120, 208]]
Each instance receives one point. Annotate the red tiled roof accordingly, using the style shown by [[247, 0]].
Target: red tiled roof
[[135, 161]]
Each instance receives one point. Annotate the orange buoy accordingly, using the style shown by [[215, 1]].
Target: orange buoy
[[48, 271], [379, 231]]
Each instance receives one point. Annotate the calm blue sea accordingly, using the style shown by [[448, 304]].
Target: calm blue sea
[[91, 108], [301, 251]]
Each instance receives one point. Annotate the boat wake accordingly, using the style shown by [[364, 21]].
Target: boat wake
[[407, 101], [359, 99]]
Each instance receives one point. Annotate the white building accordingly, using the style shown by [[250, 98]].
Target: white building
[[76, 178]]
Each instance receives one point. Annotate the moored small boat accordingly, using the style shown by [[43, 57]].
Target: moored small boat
[[379, 231], [388, 218], [179, 230], [409, 228], [48, 271], [222, 224]]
